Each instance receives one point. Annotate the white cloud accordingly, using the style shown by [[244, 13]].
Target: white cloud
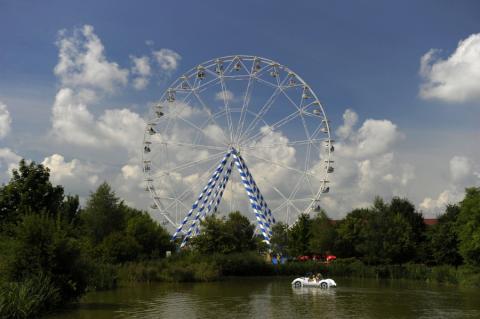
[[82, 62], [438, 204], [8, 161], [456, 79], [131, 171], [225, 95], [142, 70], [460, 168], [167, 59], [5, 120], [350, 119], [365, 165]]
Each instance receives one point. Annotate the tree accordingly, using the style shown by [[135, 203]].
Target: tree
[[225, 236], [153, 239], [279, 240], [299, 236], [468, 226], [103, 214], [322, 234], [443, 238], [44, 246], [28, 191]]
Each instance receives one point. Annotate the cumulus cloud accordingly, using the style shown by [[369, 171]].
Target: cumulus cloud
[[167, 59], [350, 119], [82, 61], [366, 165], [67, 173], [8, 161], [462, 174], [225, 96], [455, 79], [438, 204], [5, 120], [460, 168], [141, 70]]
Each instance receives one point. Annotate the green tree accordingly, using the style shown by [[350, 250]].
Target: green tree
[[153, 239], [28, 191], [239, 233], [468, 226], [44, 246], [322, 234], [119, 248], [299, 236], [443, 238], [279, 240], [103, 214]]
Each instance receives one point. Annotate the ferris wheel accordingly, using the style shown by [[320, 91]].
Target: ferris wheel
[[237, 133]]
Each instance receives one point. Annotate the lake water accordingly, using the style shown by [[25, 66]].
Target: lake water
[[275, 298]]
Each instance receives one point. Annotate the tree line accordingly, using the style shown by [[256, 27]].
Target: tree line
[[51, 245]]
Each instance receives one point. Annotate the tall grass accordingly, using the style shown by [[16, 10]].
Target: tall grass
[[28, 299]]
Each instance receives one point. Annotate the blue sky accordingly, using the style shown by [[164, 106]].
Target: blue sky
[[362, 55]]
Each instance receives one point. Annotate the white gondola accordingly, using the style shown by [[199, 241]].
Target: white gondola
[[257, 66], [306, 93], [325, 190], [274, 72], [159, 113], [317, 112], [237, 66], [153, 206], [200, 72], [329, 169], [219, 67], [170, 95], [152, 131], [147, 149]]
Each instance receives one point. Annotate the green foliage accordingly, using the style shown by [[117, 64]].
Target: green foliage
[[119, 248], [103, 214], [279, 239], [44, 246], [27, 299], [443, 238], [322, 234], [29, 190], [225, 236], [299, 236], [469, 226], [153, 239]]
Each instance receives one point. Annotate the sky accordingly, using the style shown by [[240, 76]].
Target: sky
[[400, 82]]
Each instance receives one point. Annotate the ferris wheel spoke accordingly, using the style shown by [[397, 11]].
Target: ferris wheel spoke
[[292, 143], [272, 128], [277, 164], [182, 197], [201, 130], [263, 110], [245, 104], [189, 164], [200, 146], [227, 107]]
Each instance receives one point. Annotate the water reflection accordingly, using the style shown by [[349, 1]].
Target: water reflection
[[275, 298]]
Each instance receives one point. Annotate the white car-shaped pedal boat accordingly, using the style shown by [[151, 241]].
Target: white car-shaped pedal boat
[[309, 282]]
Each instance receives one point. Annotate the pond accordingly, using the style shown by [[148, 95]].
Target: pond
[[274, 297]]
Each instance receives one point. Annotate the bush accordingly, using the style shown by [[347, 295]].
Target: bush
[[103, 276], [29, 298]]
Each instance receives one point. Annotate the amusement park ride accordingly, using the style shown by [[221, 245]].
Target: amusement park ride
[[221, 115]]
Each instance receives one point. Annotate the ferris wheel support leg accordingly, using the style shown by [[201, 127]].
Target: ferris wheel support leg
[[202, 207], [253, 199], [202, 193], [266, 210], [217, 197]]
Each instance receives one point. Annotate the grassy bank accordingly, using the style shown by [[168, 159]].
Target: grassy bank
[[193, 267]]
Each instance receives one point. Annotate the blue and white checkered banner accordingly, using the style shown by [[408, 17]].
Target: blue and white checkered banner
[[202, 207], [257, 209], [212, 194], [217, 197], [210, 183], [270, 220]]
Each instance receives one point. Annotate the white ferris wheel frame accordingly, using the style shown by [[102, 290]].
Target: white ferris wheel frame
[[191, 83]]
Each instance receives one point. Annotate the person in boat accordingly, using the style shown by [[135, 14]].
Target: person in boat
[[318, 276]]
